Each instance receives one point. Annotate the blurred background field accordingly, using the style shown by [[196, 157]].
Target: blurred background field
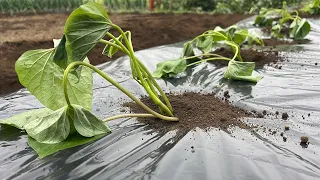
[[177, 6]]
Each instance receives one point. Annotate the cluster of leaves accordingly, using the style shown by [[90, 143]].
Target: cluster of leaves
[[232, 36], [312, 7], [67, 121], [281, 20]]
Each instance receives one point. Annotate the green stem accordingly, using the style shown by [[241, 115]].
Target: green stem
[[116, 84], [127, 115], [236, 47], [111, 44], [144, 83]]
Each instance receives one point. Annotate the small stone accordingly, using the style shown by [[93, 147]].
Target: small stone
[[304, 139], [284, 139], [281, 134], [285, 116], [274, 132], [122, 110], [277, 112], [286, 127]]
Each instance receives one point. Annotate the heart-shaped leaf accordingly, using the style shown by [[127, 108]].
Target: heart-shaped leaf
[[86, 123], [43, 77], [171, 68], [50, 129], [84, 28], [241, 71], [20, 120]]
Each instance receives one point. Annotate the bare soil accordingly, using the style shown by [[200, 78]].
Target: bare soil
[[21, 33], [194, 110]]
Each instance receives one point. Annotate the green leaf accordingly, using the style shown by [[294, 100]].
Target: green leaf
[[187, 50], [241, 71], [87, 124], [204, 43], [169, 69], [299, 29], [240, 36], [276, 31], [20, 120], [84, 28], [74, 140], [50, 129], [37, 71], [60, 56], [215, 36], [110, 50]]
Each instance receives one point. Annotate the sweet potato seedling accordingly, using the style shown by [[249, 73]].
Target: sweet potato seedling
[[281, 19], [61, 79], [312, 7], [232, 36]]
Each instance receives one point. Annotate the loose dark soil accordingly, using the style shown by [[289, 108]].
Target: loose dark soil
[[21, 33], [194, 110], [249, 55]]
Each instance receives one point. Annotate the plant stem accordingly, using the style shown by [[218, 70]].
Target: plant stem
[[111, 44], [127, 115], [116, 84], [138, 65], [236, 47]]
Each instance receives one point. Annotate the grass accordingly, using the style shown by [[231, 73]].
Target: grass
[[18, 6]]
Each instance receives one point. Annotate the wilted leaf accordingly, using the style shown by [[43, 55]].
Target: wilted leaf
[[241, 71], [50, 129], [171, 68]]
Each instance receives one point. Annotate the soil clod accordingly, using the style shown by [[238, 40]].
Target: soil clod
[[285, 116], [304, 139], [286, 127]]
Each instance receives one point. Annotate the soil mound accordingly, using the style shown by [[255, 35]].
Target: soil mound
[[194, 110], [261, 58]]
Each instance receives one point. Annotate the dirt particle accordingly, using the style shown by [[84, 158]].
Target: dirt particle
[[284, 139], [226, 94], [277, 112], [264, 112], [285, 116], [286, 127], [304, 139], [281, 134]]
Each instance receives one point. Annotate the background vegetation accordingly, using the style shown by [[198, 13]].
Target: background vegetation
[[218, 6]]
